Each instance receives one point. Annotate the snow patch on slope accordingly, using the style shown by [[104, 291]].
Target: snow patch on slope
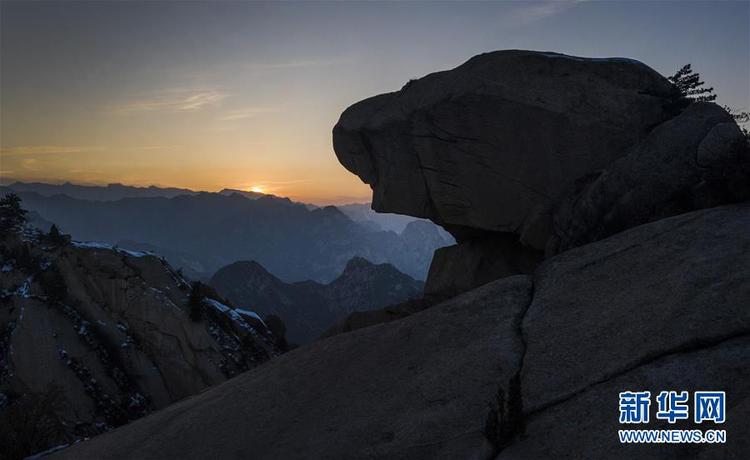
[[98, 245]]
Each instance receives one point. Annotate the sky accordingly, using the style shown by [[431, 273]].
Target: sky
[[208, 95]]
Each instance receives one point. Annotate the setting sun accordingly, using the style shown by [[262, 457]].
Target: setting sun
[[257, 189]]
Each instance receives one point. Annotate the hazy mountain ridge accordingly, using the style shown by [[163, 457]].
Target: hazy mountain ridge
[[308, 308], [362, 213], [109, 192], [292, 241]]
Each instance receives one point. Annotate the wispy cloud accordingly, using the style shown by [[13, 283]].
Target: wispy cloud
[[242, 114], [172, 100], [536, 11], [294, 63], [48, 149], [157, 147]]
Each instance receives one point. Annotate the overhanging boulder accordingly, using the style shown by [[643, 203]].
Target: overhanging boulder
[[491, 144]]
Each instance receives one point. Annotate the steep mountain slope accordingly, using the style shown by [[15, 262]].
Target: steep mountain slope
[[214, 230], [308, 308], [106, 332]]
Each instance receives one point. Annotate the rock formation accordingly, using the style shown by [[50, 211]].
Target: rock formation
[[106, 331], [464, 266], [308, 308], [490, 145], [696, 160], [551, 150], [500, 371]]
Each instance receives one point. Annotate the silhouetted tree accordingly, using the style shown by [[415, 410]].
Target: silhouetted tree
[[195, 301], [55, 237], [277, 327], [742, 118], [12, 215], [690, 85], [24, 258], [54, 232]]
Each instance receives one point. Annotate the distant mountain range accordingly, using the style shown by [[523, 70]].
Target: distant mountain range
[[363, 214], [200, 232], [110, 192], [308, 308]]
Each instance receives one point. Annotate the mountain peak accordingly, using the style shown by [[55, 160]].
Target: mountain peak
[[358, 262], [330, 211], [248, 268], [247, 194]]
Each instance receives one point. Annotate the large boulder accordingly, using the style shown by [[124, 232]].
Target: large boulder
[[491, 144], [698, 159], [663, 306]]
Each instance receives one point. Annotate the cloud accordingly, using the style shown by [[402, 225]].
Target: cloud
[[537, 11], [158, 147], [173, 100], [48, 150], [294, 64], [242, 114]]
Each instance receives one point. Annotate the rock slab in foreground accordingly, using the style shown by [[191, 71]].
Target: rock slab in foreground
[[663, 306], [491, 144], [421, 387]]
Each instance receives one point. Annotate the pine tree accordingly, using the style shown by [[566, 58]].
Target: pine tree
[[742, 118], [24, 258], [690, 85], [54, 233], [277, 327], [12, 215], [195, 301], [56, 237]]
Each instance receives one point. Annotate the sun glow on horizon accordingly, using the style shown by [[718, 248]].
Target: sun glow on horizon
[[257, 189]]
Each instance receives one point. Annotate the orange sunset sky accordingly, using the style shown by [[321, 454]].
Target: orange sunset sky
[[244, 95]]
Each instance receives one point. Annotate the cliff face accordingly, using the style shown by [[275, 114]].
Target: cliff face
[[108, 330]]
